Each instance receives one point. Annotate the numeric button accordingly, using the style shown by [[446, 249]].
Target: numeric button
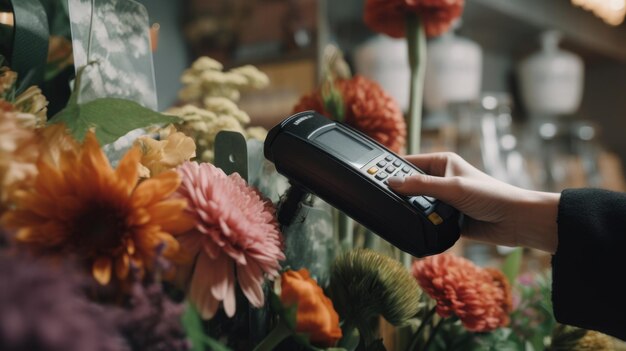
[[420, 202], [381, 175]]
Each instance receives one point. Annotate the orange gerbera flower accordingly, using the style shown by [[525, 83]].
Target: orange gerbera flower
[[80, 206]]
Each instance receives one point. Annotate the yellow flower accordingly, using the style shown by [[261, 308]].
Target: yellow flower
[[81, 206], [170, 151]]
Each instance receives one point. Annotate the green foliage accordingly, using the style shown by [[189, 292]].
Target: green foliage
[[195, 332], [454, 337], [287, 314], [350, 339], [110, 117], [533, 319], [332, 99], [512, 264]]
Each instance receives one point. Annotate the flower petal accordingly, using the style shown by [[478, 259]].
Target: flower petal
[[250, 279], [127, 171], [101, 270], [200, 289]]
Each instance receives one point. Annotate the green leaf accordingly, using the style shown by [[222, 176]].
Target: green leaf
[[192, 323], [287, 313], [512, 264], [215, 345], [333, 100], [110, 117], [376, 345], [350, 340]]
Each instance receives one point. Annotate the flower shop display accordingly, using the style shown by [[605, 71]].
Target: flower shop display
[[153, 247]]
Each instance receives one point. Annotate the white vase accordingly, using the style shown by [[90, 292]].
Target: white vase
[[453, 71], [551, 80], [385, 60]]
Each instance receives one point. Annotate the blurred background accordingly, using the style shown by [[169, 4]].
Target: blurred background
[[531, 91]]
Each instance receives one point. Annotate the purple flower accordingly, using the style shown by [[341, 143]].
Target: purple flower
[[43, 309]]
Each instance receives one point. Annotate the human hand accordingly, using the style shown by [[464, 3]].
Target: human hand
[[497, 212]]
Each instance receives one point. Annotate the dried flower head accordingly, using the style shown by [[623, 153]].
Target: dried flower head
[[236, 237], [81, 206], [257, 133], [365, 284], [7, 82], [390, 16], [18, 153], [480, 298], [32, 102], [170, 151], [568, 338], [205, 79], [316, 315], [42, 309], [203, 125], [222, 107], [367, 108]]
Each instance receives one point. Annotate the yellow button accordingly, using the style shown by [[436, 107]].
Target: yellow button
[[434, 217], [372, 170]]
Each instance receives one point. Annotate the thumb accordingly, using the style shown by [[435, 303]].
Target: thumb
[[421, 184]]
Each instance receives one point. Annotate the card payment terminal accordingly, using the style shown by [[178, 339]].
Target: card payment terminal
[[349, 170]]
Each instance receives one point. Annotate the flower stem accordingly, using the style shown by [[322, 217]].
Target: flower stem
[[418, 334], [278, 334], [345, 227], [431, 338], [416, 39]]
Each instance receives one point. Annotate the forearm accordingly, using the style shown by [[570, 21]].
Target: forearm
[[537, 221]]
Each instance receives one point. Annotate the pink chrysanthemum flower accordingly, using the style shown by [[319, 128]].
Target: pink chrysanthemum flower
[[236, 237]]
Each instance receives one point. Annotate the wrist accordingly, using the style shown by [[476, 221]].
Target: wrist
[[537, 226]]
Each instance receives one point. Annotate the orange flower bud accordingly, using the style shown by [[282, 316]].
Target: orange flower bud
[[316, 315]]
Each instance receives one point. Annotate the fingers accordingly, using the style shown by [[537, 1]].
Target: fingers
[[432, 163], [442, 188], [446, 164]]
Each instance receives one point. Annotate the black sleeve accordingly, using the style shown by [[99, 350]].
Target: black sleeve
[[589, 266]]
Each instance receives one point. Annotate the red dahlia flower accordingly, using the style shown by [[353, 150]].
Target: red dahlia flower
[[389, 16], [481, 298], [367, 108]]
